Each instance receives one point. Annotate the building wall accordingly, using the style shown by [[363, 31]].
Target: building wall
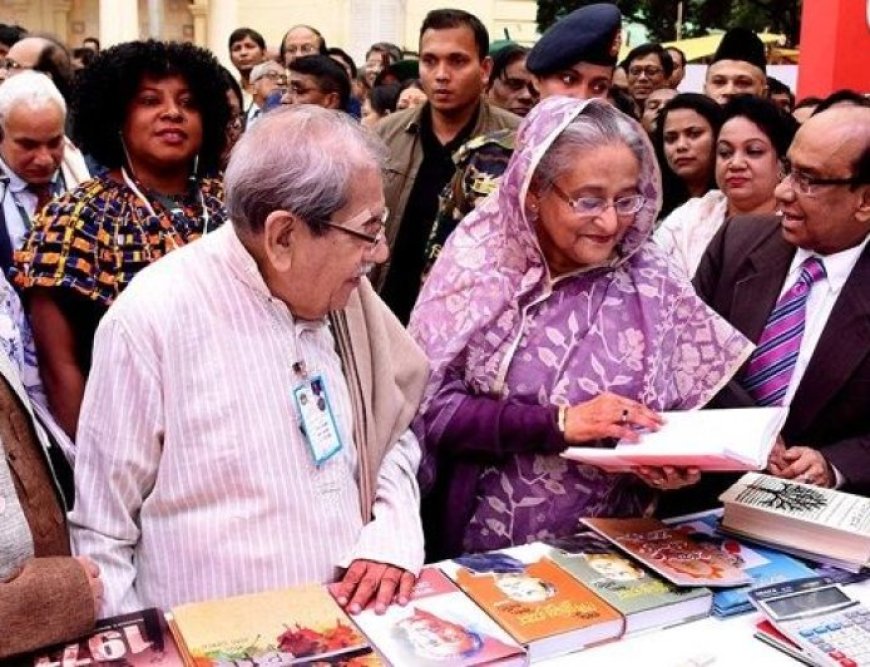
[[350, 24]]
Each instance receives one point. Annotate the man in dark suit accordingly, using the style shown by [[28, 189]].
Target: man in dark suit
[[823, 212]]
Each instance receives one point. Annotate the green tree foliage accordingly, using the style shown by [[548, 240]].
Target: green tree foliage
[[699, 16]]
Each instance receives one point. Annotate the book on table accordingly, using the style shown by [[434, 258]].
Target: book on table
[[542, 606], [294, 626], [739, 439], [765, 566], [817, 523], [439, 627], [670, 552], [138, 639], [646, 600]]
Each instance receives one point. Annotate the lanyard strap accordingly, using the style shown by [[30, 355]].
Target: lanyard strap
[[206, 218]]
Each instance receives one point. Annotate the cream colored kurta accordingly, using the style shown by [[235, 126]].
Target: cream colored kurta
[[193, 480], [688, 230]]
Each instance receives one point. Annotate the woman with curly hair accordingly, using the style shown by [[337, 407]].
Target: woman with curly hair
[[155, 116]]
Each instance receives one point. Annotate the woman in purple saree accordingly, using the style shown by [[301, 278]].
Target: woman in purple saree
[[551, 319]]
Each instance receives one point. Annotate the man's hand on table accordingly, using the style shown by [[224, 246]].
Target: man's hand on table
[[367, 580]]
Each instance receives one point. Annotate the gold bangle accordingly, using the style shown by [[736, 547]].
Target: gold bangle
[[562, 418]]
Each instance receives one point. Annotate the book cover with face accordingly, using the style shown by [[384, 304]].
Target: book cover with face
[[440, 626]]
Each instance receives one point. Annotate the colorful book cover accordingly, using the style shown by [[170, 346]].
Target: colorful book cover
[[645, 599], [764, 566], [295, 626], [670, 552], [130, 640], [534, 599], [439, 626]]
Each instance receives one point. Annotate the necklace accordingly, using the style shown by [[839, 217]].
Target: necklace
[[130, 183]]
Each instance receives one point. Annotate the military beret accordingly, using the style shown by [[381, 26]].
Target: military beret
[[399, 72], [590, 34], [742, 44]]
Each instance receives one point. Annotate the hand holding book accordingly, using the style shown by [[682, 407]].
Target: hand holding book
[[668, 478], [608, 416]]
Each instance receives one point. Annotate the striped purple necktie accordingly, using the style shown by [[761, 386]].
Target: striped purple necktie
[[771, 365]]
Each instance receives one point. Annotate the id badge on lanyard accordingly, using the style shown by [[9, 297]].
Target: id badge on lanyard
[[316, 419]]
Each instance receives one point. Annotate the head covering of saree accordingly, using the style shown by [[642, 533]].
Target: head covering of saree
[[492, 315]]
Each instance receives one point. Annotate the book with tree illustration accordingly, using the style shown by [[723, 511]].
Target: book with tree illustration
[[810, 521], [138, 639], [440, 626], [294, 626], [670, 552], [537, 602], [646, 600]]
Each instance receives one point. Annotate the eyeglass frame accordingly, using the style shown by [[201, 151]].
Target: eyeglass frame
[[12, 65], [605, 203], [805, 184], [305, 49], [516, 84], [649, 70], [364, 217]]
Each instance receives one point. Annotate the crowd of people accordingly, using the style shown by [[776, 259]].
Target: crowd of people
[[315, 322]]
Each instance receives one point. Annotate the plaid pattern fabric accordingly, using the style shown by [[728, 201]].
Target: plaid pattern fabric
[[96, 238]]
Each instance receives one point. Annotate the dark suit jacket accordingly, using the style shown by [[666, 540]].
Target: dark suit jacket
[[741, 276]]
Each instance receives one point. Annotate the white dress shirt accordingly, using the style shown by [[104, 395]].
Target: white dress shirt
[[193, 480], [15, 194], [820, 302]]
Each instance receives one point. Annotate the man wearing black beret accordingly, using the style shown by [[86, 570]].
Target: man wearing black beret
[[738, 67], [575, 58]]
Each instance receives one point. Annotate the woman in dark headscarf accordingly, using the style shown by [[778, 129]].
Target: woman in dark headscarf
[[551, 319]]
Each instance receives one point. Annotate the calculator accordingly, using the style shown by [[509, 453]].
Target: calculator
[[818, 615]]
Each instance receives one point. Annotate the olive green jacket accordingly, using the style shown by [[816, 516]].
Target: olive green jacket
[[401, 132]]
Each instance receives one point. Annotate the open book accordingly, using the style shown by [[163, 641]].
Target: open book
[[739, 439]]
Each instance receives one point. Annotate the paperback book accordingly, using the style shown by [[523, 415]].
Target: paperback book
[[818, 523], [711, 440], [130, 640], [765, 566], [646, 600], [537, 602], [295, 626], [670, 552], [440, 626]]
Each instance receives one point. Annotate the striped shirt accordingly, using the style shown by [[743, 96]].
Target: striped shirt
[[193, 480]]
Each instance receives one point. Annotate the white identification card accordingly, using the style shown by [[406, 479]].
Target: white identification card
[[316, 419]]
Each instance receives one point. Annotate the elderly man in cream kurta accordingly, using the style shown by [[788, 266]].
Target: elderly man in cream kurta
[[206, 464]]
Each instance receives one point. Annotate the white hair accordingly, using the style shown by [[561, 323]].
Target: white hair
[[260, 70], [301, 159], [30, 89]]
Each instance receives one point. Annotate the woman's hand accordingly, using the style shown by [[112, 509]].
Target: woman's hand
[[668, 478], [608, 416]]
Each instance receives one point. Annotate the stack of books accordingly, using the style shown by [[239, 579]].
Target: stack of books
[[808, 521], [509, 607]]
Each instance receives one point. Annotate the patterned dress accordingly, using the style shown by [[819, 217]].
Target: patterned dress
[[87, 245], [497, 326]]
